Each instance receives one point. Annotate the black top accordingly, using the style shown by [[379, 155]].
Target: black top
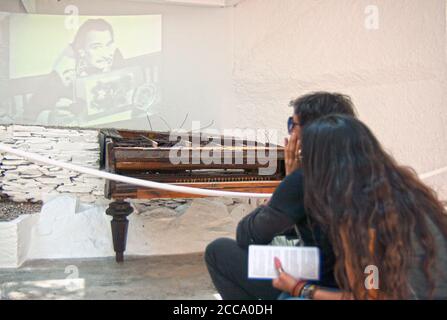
[[285, 210]]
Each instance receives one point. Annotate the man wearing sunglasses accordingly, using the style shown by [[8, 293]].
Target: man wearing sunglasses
[[283, 215]]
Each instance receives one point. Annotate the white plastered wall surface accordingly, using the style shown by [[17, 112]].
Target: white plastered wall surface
[[396, 74]]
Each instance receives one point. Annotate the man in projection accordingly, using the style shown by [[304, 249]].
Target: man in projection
[[94, 48], [93, 51]]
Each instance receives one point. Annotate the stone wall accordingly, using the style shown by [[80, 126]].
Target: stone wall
[[22, 180]]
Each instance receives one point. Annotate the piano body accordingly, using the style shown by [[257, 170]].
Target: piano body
[[146, 155]]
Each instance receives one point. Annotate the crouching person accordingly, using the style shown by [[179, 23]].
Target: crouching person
[[227, 260]]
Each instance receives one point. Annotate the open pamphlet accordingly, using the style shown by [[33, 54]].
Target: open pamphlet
[[299, 262]]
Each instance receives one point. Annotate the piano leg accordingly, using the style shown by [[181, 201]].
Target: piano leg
[[119, 210]]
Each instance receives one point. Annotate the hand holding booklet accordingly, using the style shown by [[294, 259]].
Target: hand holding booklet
[[299, 262]]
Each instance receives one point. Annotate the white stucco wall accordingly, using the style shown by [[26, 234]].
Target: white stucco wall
[[15, 240], [396, 75]]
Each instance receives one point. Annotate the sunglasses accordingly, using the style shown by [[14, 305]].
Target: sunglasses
[[291, 125]]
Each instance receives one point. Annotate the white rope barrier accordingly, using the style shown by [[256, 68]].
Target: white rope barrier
[[434, 173], [129, 180], [151, 184]]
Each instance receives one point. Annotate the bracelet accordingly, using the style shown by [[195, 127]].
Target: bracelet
[[308, 291], [296, 292]]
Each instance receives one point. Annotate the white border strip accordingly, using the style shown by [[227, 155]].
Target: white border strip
[[129, 180]]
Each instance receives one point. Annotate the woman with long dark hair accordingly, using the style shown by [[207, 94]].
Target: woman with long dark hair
[[375, 213]]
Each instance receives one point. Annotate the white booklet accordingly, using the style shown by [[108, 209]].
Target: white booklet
[[300, 262]]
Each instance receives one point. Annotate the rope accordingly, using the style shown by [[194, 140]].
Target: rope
[[151, 184], [133, 181]]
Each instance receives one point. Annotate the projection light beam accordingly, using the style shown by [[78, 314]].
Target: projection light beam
[[119, 178]]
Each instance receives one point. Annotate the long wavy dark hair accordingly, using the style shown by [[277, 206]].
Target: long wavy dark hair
[[371, 208]]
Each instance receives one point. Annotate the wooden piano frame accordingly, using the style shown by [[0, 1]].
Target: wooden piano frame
[[151, 163]]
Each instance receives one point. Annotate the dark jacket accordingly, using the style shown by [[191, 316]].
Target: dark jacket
[[285, 210]]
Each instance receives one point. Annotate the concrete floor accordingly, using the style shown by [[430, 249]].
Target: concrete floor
[[162, 277]]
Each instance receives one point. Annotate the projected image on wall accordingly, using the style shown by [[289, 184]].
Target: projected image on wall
[[98, 71]]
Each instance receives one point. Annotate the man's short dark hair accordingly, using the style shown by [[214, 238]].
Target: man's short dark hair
[[86, 27], [315, 105]]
